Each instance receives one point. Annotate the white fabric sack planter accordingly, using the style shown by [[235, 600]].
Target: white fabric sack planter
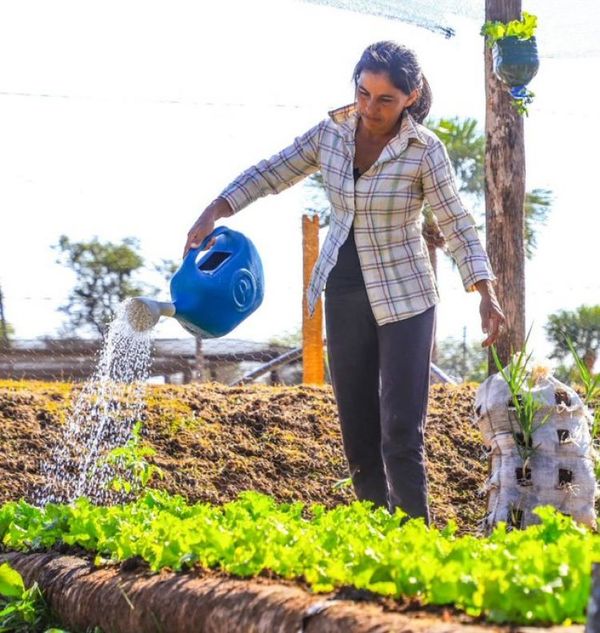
[[560, 469]]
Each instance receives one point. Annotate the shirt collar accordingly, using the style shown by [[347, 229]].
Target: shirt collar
[[347, 118]]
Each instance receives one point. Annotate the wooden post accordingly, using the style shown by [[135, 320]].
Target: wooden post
[[313, 366], [505, 194]]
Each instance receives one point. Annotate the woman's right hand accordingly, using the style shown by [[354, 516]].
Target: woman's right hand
[[205, 224]]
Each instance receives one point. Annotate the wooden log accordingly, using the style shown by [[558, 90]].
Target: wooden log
[[83, 597]]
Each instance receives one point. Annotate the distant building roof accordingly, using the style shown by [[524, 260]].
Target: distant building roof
[[75, 359]]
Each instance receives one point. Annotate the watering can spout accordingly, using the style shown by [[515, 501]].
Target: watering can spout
[[143, 313]]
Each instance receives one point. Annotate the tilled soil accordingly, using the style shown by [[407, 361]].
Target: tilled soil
[[213, 441]]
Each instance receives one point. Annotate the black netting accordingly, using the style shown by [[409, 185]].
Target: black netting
[[563, 32]]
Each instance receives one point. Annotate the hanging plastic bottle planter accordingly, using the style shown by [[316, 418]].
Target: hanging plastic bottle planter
[[515, 56]]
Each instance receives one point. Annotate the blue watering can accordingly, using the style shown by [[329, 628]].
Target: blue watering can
[[212, 292]]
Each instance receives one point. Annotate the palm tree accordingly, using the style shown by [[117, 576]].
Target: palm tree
[[537, 206], [466, 149], [582, 327]]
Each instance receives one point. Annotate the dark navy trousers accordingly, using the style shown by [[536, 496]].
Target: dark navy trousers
[[380, 379]]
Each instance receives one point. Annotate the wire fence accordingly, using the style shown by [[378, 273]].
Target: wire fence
[[176, 361]]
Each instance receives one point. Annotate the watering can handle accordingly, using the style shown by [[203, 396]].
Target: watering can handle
[[215, 233], [193, 252]]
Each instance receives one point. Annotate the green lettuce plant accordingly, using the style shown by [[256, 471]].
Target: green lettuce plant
[[130, 461], [541, 574], [21, 610], [523, 29]]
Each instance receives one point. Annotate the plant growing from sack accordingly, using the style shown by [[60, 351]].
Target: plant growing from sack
[[520, 384], [515, 56]]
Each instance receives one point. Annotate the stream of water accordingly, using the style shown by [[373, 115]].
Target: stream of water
[[103, 415]]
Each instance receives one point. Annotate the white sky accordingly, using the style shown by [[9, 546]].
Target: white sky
[[125, 118]]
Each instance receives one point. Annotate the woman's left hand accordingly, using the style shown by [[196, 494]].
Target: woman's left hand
[[433, 236], [492, 317]]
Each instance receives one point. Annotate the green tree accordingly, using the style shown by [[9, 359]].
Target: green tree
[[466, 150], [461, 359], [582, 326], [290, 338], [538, 203], [104, 273], [166, 268], [6, 329]]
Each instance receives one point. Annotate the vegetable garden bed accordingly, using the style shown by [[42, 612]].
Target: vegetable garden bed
[[538, 575], [166, 565], [214, 441]]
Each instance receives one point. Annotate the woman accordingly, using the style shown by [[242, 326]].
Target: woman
[[379, 165]]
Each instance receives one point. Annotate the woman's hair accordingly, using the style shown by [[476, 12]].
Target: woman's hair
[[402, 66]]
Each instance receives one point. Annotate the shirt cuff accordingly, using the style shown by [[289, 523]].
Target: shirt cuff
[[469, 282], [236, 198]]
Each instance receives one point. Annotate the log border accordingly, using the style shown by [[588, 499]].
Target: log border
[[82, 596]]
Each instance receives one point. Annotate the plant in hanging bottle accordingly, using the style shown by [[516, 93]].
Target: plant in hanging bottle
[[515, 56]]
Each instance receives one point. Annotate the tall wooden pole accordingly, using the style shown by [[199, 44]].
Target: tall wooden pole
[[313, 366], [505, 194]]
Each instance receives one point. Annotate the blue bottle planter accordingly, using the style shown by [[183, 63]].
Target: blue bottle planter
[[515, 61]]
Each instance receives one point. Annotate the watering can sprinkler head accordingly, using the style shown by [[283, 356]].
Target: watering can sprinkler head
[[143, 313]]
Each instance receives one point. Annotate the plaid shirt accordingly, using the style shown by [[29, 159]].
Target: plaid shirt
[[385, 207]]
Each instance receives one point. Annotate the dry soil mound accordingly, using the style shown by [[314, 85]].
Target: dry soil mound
[[213, 441]]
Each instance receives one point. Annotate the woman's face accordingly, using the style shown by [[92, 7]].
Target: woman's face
[[380, 103]]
